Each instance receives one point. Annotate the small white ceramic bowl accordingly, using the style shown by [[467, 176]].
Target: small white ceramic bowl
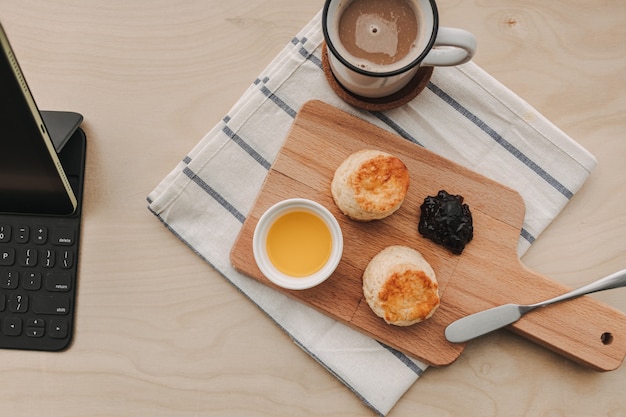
[[259, 244]]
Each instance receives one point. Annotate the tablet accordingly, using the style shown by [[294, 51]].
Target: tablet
[[32, 179]]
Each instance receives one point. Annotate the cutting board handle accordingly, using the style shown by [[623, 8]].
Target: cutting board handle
[[582, 329]]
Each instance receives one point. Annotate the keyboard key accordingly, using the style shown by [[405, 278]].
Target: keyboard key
[[32, 281], [58, 281], [28, 257], [58, 328], [22, 234], [9, 280], [40, 235], [63, 236], [3, 300], [18, 303], [35, 331], [48, 258], [12, 326], [36, 323], [67, 259], [5, 233], [51, 304], [7, 256]]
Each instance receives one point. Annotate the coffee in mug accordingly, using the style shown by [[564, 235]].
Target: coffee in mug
[[375, 47]]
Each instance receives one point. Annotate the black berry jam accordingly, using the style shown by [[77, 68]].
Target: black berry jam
[[446, 221]]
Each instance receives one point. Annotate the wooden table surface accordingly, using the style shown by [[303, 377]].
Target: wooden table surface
[[159, 333]]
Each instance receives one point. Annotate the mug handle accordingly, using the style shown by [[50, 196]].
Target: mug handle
[[459, 46]]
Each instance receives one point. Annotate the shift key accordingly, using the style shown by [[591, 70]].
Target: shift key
[[51, 304]]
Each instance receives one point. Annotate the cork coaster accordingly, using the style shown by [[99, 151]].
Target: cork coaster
[[406, 94]]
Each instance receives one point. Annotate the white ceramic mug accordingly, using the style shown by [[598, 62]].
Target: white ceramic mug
[[433, 46]]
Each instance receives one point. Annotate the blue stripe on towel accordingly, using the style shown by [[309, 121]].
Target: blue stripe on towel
[[501, 141], [274, 98], [404, 359], [246, 147], [527, 235], [396, 127], [209, 190]]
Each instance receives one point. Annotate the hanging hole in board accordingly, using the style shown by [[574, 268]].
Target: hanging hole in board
[[606, 338]]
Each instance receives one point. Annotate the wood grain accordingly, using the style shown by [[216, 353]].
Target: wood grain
[[160, 333], [488, 273]]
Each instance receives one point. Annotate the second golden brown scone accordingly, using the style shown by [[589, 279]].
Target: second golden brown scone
[[400, 286], [370, 185]]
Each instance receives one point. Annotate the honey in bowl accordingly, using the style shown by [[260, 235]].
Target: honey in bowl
[[298, 243]]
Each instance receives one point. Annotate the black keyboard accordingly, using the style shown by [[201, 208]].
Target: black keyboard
[[38, 265], [38, 268]]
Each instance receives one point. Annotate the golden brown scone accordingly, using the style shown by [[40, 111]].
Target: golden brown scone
[[400, 286], [370, 185]]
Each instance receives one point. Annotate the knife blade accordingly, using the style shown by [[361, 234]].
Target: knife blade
[[483, 322]]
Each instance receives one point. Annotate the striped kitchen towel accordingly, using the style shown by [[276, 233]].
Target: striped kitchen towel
[[464, 115]]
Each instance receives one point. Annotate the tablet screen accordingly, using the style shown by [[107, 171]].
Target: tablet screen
[[31, 176]]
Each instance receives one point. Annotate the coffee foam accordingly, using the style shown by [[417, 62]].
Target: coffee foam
[[380, 35], [418, 46]]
